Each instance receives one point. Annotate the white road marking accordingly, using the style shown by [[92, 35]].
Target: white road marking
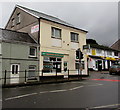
[[96, 85], [59, 90], [17, 97], [53, 91], [76, 87], [44, 92], [105, 106]]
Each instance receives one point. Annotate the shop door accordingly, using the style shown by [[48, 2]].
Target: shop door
[[56, 67], [99, 65], [108, 62], [14, 73]]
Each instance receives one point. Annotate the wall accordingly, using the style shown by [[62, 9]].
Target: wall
[[27, 21], [16, 54], [46, 43]]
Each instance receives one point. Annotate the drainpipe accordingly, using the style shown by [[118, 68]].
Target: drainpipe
[[39, 48]]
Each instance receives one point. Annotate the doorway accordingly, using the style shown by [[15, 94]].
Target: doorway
[[99, 65], [14, 76]]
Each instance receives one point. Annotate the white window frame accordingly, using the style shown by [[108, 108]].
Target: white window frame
[[31, 70], [35, 54], [76, 37], [53, 33]]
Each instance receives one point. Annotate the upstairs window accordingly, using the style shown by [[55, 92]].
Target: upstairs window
[[18, 18], [13, 22], [99, 51], [116, 53], [33, 52], [56, 33], [109, 53], [74, 37]]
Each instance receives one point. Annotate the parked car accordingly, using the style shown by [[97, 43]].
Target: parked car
[[114, 69]]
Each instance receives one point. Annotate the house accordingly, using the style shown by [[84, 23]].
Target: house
[[58, 40], [100, 57], [116, 46], [18, 57]]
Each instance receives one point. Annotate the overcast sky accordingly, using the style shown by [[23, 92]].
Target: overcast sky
[[99, 18]]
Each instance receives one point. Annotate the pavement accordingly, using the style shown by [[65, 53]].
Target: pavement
[[99, 91]]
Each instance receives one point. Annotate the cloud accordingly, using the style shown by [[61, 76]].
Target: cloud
[[99, 18]]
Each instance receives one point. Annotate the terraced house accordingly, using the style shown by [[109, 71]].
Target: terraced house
[[58, 39], [101, 57], [18, 57]]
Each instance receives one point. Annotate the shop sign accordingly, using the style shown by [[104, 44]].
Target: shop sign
[[35, 28], [52, 54], [86, 46], [93, 52]]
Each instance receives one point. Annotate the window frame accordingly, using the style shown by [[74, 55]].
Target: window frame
[[35, 54], [31, 70], [13, 22], [76, 37], [18, 18], [53, 33]]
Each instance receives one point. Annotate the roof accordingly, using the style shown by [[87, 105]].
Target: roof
[[48, 17], [102, 47], [116, 45], [14, 36]]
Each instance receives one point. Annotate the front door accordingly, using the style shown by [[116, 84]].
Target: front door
[[14, 76], [99, 65]]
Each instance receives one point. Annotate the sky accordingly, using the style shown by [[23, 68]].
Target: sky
[[100, 19]]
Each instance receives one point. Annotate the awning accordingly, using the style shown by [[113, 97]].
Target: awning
[[97, 57], [110, 58]]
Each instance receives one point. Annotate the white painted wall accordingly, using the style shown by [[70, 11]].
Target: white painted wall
[[74, 45]]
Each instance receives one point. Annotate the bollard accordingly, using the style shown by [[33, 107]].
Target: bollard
[[56, 75], [5, 77], [68, 74], [25, 75]]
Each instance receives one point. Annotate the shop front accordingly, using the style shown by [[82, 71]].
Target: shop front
[[52, 62]]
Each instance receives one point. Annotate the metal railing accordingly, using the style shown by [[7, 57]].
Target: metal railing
[[39, 76]]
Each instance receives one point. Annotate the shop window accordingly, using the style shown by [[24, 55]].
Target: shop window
[[32, 52], [83, 64], [74, 37], [51, 64], [77, 65], [46, 58], [56, 33], [31, 71]]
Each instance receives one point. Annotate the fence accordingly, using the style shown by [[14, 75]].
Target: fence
[[23, 77]]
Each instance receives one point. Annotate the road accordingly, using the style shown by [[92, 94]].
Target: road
[[97, 91]]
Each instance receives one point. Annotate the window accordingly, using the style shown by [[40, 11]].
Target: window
[[116, 53], [18, 18], [33, 51], [74, 37], [56, 33], [99, 51], [109, 53], [77, 64], [13, 22], [31, 72], [15, 68]]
